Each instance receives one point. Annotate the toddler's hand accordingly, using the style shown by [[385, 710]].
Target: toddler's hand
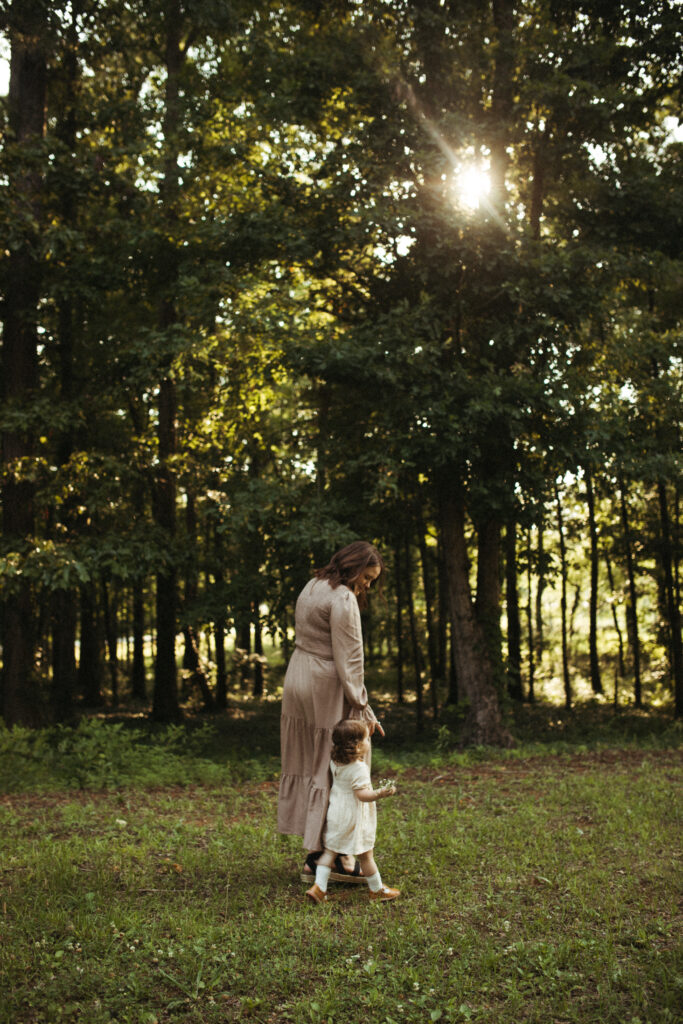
[[386, 787]]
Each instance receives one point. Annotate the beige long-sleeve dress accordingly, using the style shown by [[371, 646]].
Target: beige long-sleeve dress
[[323, 684]]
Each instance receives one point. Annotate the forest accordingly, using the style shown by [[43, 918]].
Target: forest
[[279, 275]]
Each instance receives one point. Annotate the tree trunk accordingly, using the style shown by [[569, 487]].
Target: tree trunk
[[429, 594], [530, 620], [596, 681], [563, 601], [109, 607], [90, 661], [221, 667], [443, 657], [20, 698], [475, 673], [258, 651], [219, 631], [139, 674], [514, 629], [197, 675], [165, 707], [673, 614], [619, 673], [63, 654], [488, 602], [418, 665], [243, 639], [398, 577], [165, 703], [540, 586], [632, 605]]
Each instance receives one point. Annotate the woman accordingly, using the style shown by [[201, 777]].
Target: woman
[[324, 684]]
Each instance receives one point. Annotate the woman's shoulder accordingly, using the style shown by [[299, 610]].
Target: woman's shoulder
[[322, 593], [341, 595]]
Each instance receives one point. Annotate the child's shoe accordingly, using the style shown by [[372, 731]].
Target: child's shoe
[[384, 894], [316, 894]]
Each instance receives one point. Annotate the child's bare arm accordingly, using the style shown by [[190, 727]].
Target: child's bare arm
[[370, 795]]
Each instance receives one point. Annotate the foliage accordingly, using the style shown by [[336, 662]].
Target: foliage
[[281, 241], [97, 754]]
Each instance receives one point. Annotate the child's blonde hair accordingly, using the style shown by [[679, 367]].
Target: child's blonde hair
[[347, 737]]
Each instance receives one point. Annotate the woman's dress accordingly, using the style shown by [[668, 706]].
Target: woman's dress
[[324, 683]]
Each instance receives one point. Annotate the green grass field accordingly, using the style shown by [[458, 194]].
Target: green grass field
[[142, 880]]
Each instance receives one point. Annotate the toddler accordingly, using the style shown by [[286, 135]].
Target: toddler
[[351, 816]]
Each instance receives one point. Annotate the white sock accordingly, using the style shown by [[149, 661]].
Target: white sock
[[322, 876], [375, 882]]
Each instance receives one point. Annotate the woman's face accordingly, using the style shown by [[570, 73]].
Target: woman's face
[[364, 581]]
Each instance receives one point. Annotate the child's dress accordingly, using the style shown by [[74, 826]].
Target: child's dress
[[351, 823]]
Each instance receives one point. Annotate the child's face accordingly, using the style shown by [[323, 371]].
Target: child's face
[[364, 746]]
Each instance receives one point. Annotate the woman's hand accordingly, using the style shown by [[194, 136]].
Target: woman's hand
[[378, 726]]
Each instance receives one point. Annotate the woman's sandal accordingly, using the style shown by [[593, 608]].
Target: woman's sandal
[[338, 873]]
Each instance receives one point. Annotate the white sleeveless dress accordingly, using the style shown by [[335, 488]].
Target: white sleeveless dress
[[351, 823]]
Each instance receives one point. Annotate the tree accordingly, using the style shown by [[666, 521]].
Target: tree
[[27, 25]]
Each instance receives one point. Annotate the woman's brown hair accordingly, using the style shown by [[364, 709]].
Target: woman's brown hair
[[347, 564], [347, 736]]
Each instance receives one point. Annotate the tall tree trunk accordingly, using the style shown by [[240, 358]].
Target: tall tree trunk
[[619, 673], [219, 630], [563, 601], [64, 614], [418, 664], [428, 585], [64, 674], [673, 613], [165, 703], [197, 675], [596, 681], [243, 640], [475, 673], [632, 605], [221, 666], [138, 674], [530, 619], [453, 689], [514, 629], [443, 658], [90, 661], [110, 610], [398, 577], [488, 602], [540, 585], [20, 698], [257, 689]]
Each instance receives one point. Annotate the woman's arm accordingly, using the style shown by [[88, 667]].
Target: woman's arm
[[347, 651]]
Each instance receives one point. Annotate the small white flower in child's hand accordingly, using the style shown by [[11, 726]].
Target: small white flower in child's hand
[[387, 784]]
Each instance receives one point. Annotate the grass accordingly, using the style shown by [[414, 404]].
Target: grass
[[539, 885]]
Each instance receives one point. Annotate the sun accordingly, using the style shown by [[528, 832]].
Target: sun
[[471, 185]]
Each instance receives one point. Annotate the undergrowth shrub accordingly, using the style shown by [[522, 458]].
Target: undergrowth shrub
[[97, 754]]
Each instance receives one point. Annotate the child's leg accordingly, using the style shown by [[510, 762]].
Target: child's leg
[[377, 889], [323, 868], [370, 870]]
